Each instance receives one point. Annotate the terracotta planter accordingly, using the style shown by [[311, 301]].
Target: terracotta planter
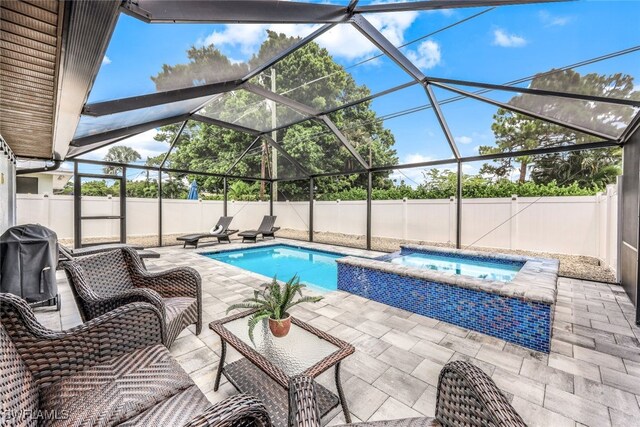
[[280, 328]]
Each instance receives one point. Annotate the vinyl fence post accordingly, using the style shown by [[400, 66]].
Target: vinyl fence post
[[513, 230], [452, 218], [405, 218], [271, 185], [609, 217], [369, 189], [225, 197], [311, 209], [459, 207], [159, 207], [47, 205], [123, 206]]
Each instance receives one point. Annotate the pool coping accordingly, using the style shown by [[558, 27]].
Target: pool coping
[[536, 281], [344, 251]]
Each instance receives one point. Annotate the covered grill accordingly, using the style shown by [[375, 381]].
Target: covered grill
[[28, 261]]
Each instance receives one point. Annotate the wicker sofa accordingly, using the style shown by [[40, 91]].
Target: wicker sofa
[[112, 370], [107, 280], [466, 397]]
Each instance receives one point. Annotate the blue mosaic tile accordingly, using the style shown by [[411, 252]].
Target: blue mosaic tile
[[526, 323]]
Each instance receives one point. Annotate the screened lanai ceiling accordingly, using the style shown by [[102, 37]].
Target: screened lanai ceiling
[[319, 87]]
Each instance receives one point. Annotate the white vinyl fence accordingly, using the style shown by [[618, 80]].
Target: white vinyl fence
[[581, 225]]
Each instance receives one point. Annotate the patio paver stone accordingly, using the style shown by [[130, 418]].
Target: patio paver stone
[[591, 377]]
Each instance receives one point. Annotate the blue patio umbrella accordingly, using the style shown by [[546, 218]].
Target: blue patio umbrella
[[193, 191]]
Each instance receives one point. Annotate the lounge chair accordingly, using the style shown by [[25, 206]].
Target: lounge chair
[[105, 281], [265, 230], [222, 235], [67, 253], [466, 396], [111, 370]]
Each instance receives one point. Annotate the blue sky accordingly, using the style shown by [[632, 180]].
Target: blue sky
[[501, 45]]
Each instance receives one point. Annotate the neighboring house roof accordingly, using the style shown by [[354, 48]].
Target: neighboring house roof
[[59, 178]]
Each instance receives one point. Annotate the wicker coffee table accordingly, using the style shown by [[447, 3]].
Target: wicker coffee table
[[267, 366]]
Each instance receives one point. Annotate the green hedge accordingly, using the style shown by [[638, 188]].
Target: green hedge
[[473, 188]]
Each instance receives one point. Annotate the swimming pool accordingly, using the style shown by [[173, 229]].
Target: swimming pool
[[314, 267], [451, 263]]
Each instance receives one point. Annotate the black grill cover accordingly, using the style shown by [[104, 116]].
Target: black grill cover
[[28, 261]]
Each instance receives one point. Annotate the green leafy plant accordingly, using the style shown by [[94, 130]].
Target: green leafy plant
[[274, 301]]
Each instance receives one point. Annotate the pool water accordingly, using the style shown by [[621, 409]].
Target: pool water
[[479, 268], [316, 268]]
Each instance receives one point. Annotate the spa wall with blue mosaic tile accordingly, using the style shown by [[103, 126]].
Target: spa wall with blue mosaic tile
[[526, 323]]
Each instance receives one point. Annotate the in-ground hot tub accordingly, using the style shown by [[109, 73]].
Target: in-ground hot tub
[[505, 296]]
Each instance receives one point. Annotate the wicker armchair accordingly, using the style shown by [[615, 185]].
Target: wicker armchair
[[112, 370], [466, 397], [105, 281]]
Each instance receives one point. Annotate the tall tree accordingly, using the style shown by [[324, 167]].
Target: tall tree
[[310, 76], [119, 154], [587, 168], [154, 161], [173, 187], [515, 132], [206, 65]]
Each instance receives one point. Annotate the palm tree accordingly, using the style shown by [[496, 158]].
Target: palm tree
[[120, 154], [240, 190]]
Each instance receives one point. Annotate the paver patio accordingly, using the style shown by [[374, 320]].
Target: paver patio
[[591, 377]]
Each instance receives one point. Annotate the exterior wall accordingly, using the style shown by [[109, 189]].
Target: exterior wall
[[7, 192], [584, 225], [50, 181], [45, 182]]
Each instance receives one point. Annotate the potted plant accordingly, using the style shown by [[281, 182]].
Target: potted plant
[[273, 302]]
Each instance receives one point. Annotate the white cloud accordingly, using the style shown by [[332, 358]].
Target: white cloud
[[411, 177], [142, 143], [247, 38], [504, 39], [342, 41], [106, 60], [244, 37], [416, 158], [393, 25], [445, 12], [464, 139], [426, 56], [550, 20], [234, 60]]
